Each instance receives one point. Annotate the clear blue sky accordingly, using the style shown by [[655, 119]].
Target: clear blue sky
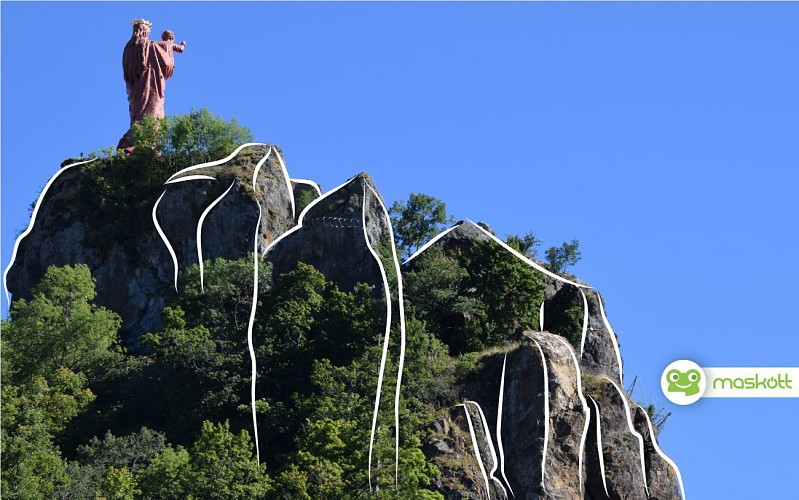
[[665, 137]]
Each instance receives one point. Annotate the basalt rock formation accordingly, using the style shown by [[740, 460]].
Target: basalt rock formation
[[545, 417]]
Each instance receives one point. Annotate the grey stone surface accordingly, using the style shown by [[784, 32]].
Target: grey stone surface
[[135, 276], [333, 240]]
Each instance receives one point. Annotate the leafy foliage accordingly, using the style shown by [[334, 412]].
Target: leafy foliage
[[477, 302], [60, 328], [197, 137], [567, 254], [526, 245], [418, 220], [318, 350]]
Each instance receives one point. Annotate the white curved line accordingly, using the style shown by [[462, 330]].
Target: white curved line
[[192, 178], [251, 323], [288, 182], [490, 447], [250, 346], [541, 317], [301, 219], [526, 260], [477, 451], [31, 223], [546, 410], [401, 306], [499, 426], [599, 446], [585, 322], [612, 337], [164, 239], [633, 431], [257, 170], [660, 452], [310, 183], [213, 163], [435, 238], [385, 338], [586, 411], [200, 233]]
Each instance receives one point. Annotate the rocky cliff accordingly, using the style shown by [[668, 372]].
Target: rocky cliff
[[543, 417]]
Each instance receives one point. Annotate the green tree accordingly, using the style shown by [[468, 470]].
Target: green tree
[[222, 465], [60, 328], [418, 220], [511, 291], [196, 137], [567, 254], [526, 245], [438, 292], [165, 476], [118, 484], [31, 413]]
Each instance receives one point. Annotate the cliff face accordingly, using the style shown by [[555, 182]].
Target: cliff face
[[134, 268], [548, 419], [335, 234], [545, 417]]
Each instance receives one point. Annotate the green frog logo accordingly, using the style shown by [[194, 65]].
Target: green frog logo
[[685, 382]]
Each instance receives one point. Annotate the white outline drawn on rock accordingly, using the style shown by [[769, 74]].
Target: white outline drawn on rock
[[211, 163], [490, 447], [526, 260], [386, 337], [251, 322], [286, 179], [401, 306], [301, 219], [31, 223], [500, 403], [175, 179], [165, 239], [586, 411], [199, 236], [546, 411], [477, 450], [599, 445], [192, 178], [635, 433], [541, 317], [310, 183], [612, 337], [585, 322], [661, 453], [432, 241]]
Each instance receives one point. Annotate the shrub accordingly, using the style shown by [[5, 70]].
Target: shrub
[[197, 137]]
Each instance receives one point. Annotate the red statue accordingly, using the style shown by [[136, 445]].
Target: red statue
[[147, 65]]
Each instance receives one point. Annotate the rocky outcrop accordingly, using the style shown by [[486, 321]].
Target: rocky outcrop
[[335, 236], [542, 418], [558, 437], [546, 437], [565, 311], [461, 238], [120, 243]]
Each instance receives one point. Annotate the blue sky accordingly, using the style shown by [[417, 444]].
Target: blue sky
[[663, 136]]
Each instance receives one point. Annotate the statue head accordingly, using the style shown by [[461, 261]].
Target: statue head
[[168, 35], [141, 28]]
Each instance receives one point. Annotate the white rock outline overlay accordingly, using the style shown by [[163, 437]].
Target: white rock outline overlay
[[401, 307], [499, 425], [490, 447], [661, 453], [33, 220], [599, 445], [477, 449]]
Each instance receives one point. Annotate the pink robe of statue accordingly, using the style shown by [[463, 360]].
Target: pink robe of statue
[[147, 65]]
